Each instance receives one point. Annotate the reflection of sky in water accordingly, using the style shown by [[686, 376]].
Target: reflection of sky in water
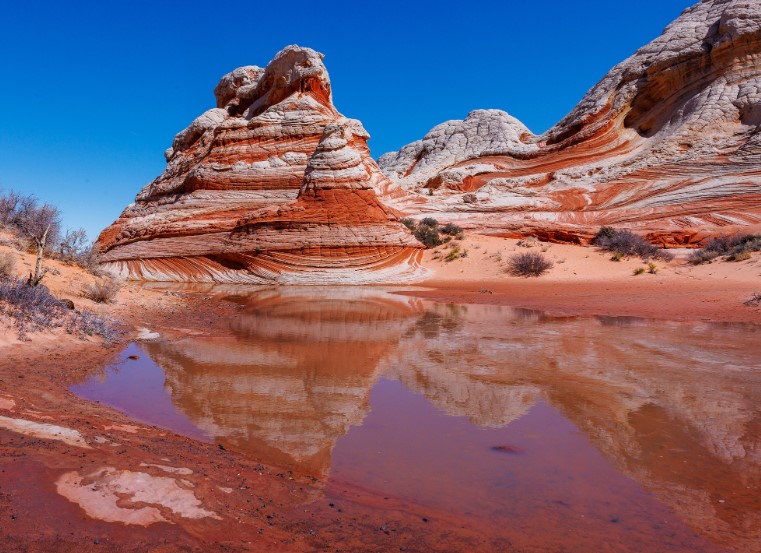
[[136, 386], [408, 398]]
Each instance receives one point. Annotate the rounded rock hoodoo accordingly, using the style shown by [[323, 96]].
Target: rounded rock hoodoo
[[271, 186]]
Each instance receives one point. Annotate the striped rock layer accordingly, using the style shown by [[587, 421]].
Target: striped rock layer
[[271, 186], [667, 143]]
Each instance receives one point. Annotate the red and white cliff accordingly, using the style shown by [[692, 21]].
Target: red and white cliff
[[271, 186], [667, 143]]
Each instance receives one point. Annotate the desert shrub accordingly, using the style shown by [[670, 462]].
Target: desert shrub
[[456, 253], [638, 271], [736, 247], [7, 265], [530, 242], [88, 260], [87, 323], [408, 222], [754, 300], [652, 269], [698, 257], [529, 264], [742, 255], [429, 233], [34, 308], [103, 291], [9, 203], [617, 256], [626, 243], [72, 245], [450, 229], [428, 236]]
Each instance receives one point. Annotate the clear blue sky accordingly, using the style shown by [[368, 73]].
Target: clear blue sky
[[93, 92]]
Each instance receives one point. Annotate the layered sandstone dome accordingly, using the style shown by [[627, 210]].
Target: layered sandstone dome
[[271, 186], [667, 143]]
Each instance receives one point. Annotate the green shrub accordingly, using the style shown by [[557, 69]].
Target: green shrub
[[451, 229], [639, 271], [429, 233]]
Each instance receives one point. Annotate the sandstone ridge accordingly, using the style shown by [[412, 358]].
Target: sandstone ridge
[[271, 186], [667, 144]]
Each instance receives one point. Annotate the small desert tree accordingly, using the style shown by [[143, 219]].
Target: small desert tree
[[74, 245], [41, 225]]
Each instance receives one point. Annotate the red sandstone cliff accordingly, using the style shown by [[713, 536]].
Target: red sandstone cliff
[[271, 186], [667, 143]]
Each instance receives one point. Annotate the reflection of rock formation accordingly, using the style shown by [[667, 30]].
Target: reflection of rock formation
[[675, 406], [294, 378]]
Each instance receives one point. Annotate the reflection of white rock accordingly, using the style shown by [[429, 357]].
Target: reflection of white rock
[[296, 371], [296, 375]]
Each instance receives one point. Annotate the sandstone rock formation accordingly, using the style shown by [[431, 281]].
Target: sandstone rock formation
[[667, 143], [271, 186]]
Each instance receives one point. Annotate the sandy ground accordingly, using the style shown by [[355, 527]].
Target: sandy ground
[[584, 280], [74, 473]]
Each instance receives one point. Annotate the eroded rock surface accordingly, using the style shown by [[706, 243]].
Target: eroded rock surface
[[666, 143], [272, 185], [131, 497]]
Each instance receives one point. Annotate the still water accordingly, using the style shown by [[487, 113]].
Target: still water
[[559, 434]]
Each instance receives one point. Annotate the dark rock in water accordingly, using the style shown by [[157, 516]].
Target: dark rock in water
[[507, 449]]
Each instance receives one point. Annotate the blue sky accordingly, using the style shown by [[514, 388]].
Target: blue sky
[[93, 92]]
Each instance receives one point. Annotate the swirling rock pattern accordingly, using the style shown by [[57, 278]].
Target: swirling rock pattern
[[271, 186], [667, 143]]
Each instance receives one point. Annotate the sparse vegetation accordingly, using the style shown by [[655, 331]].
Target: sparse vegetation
[[652, 268], [628, 244], [530, 242], [455, 253], [450, 229], [737, 247], [754, 300], [742, 255], [38, 227], [638, 271], [7, 265], [429, 233], [529, 264], [102, 291], [34, 308], [617, 256]]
